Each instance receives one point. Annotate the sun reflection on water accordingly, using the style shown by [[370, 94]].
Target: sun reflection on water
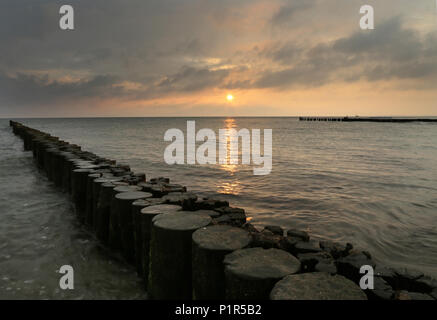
[[234, 186]]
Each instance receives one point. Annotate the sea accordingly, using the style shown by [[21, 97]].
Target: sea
[[371, 184]]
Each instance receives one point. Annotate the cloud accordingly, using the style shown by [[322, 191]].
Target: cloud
[[193, 79], [288, 11], [27, 89], [390, 52]]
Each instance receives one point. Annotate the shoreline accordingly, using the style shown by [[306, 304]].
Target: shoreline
[[72, 170]]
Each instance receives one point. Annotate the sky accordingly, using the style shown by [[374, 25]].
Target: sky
[[185, 57]]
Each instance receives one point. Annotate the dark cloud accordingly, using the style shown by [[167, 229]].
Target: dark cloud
[[390, 52], [140, 49], [288, 11], [24, 89], [193, 79]]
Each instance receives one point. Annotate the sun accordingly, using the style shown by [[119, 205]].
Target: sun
[[230, 97]]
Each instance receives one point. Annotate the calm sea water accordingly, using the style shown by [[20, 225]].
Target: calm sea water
[[371, 184]]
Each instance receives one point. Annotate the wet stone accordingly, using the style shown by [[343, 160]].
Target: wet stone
[[310, 260], [266, 239], [294, 233], [406, 295], [180, 198], [337, 250], [381, 291], [210, 204], [311, 246], [316, 286], [231, 216], [275, 230], [350, 266]]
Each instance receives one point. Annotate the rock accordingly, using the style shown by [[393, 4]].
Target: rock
[[350, 265], [289, 244], [231, 216], [309, 260], [316, 286], [210, 204], [311, 246], [408, 280], [326, 266], [406, 295], [266, 240], [303, 235], [251, 273], [425, 284], [250, 227], [337, 250], [381, 290], [434, 294], [159, 180], [185, 199], [230, 210], [275, 230]]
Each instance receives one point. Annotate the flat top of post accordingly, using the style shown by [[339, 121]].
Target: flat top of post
[[181, 222], [221, 237], [259, 263], [161, 208], [132, 195]]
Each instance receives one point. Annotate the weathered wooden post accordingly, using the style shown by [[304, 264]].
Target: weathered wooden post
[[119, 205], [170, 254], [126, 221], [79, 191], [89, 212], [145, 232], [210, 245]]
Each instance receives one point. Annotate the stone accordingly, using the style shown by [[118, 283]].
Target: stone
[[316, 286], [311, 246], [406, 295], [310, 260], [294, 233], [266, 239], [251, 273], [210, 204], [350, 265], [337, 250], [231, 216], [185, 199], [381, 290], [275, 230]]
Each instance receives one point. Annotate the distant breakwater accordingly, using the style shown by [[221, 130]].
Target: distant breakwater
[[368, 119], [184, 247]]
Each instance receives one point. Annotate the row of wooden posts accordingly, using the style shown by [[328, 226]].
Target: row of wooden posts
[[178, 243]]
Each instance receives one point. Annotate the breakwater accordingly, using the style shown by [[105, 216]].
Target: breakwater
[[368, 119], [185, 247]]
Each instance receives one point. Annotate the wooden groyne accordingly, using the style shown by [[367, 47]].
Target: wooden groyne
[[367, 119], [185, 247]]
